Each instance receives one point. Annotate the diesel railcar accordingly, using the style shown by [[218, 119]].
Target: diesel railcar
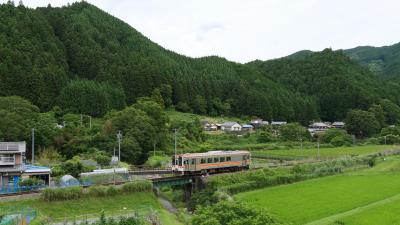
[[211, 162]]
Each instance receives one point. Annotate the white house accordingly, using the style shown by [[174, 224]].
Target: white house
[[338, 124], [319, 126], [231, 126]]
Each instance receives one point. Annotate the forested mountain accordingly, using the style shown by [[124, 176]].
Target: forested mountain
[[86, 61], [43, 50], [381, 60], [333, 79]]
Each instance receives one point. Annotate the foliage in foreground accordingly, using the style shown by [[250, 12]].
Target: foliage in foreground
[[57, 194], [231, 213], [121, 221]]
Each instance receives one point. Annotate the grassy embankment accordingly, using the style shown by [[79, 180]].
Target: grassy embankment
[[324, 153], [371, 196], [79, 209]]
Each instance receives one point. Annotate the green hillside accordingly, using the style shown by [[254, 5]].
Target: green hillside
[[382, 60], [86, 61], [42, 50], [335, 81]]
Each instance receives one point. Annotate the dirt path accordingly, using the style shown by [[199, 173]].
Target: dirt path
[[18, 197], [167, 205], [333, 218]]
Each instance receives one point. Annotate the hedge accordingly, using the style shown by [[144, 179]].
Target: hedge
[[69, 193]]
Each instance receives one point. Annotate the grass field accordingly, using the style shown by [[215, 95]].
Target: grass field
[[371, 197], [323, 152], [91, 207]]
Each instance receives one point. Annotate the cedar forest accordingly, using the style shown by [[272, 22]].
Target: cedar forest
[[77, 59]]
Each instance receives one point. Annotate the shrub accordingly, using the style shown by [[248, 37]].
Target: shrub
[[226, 212], [112, 191], [56, 194], [31, 182], [137, 186], [98, 191], [338, 141], [390, 139]]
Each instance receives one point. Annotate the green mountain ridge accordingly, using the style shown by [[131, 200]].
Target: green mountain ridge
[[381, 60], [54, 56]]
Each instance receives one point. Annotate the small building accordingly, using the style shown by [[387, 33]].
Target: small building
[[319, 126], [257, 123], [338, 124], [11, 162], [39, 172], [247, 127], [231, 126], [278, 123], [210, 127], [13, 168]]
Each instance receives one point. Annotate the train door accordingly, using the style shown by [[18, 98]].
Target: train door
[[244, 160]]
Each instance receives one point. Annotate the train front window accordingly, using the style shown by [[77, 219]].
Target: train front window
[[228, 158], [209, 160], [216, 160], [180, 161], [173, 161], [203, 161]]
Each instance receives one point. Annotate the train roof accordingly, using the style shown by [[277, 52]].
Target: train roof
[[214, 153]]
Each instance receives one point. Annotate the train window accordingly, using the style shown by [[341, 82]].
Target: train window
[[222, 159], [180, 161], [228, 158], [216, 160], [244, 157], [203, 161], [193, 161], [209, 160], [186, 162]]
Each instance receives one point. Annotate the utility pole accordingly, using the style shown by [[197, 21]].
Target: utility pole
[[33, 146], [81, 119], [318, 147], [175, 130], [119, 136], [385, 139], [90, 122], [301, 143]]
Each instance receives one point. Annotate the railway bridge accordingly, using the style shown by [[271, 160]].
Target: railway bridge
[[188, 183]]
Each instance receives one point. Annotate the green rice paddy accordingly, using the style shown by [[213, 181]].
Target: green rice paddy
[[371, 196]]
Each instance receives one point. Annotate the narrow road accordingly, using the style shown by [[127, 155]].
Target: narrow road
[[333, 218]]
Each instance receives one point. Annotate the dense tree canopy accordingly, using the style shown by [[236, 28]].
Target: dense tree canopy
[[91, 98], [231, 213], [361, 123]]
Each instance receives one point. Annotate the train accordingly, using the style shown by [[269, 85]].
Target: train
[[211, 162]]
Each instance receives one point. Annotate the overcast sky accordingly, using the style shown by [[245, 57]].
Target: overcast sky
[[243, 31]]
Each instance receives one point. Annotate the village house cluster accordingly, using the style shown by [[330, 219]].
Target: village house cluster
[[319, 127], [231, 126]]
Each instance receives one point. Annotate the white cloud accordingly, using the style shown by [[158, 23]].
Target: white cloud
[[255, 29]]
